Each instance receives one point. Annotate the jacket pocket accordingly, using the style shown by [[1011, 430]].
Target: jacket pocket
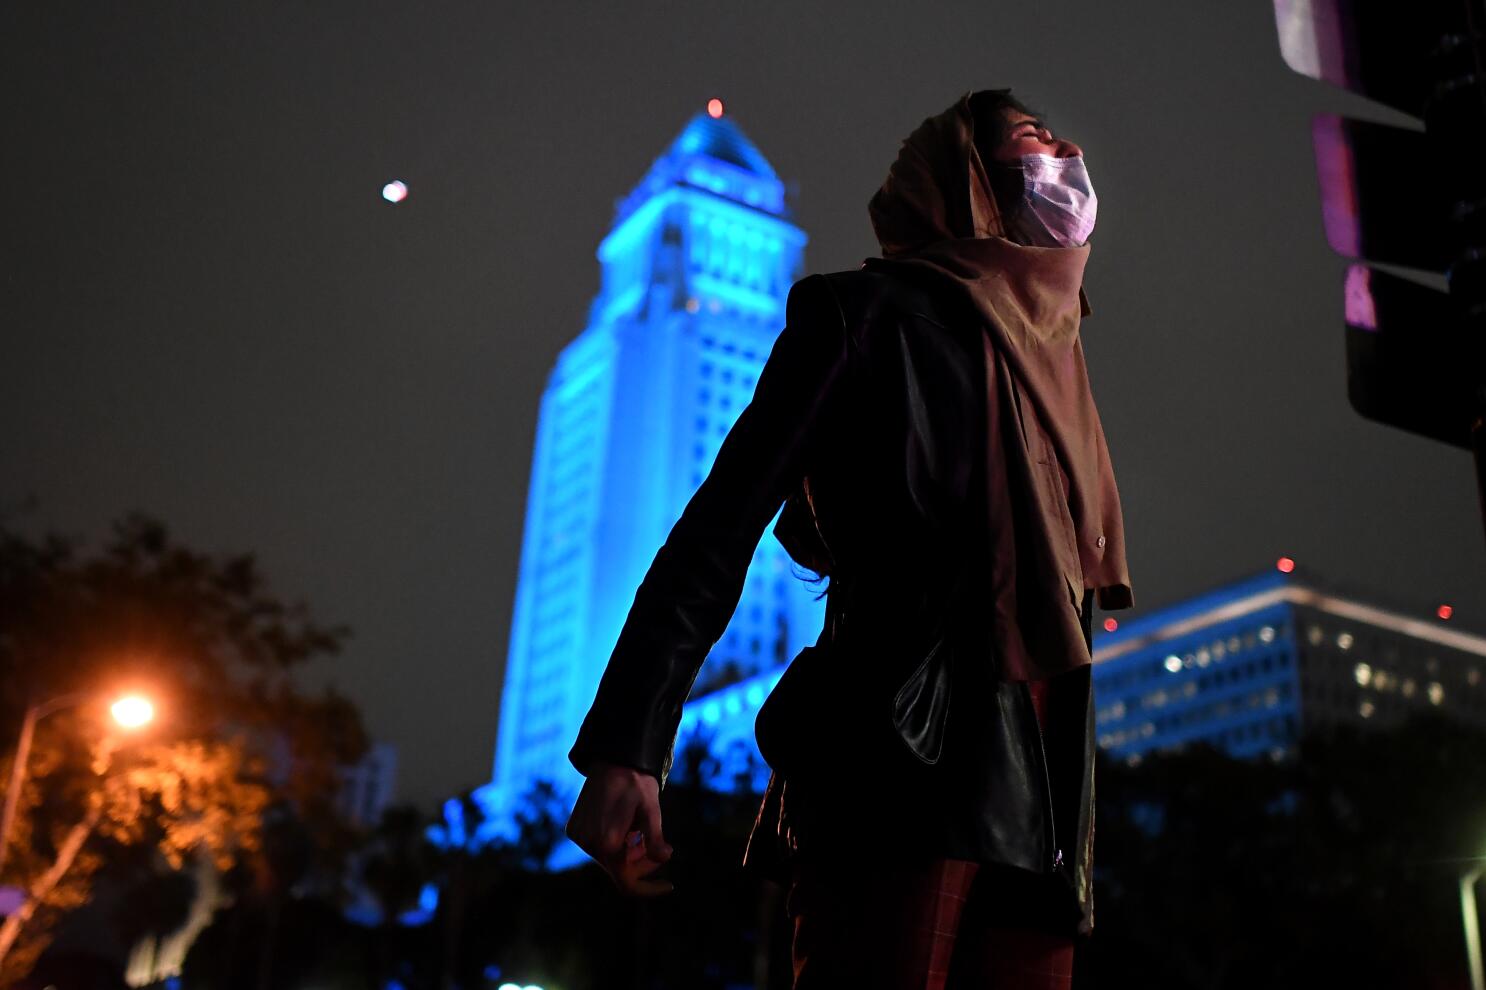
[[921, 705]]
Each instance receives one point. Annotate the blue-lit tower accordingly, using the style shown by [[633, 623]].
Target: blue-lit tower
[[695, 271]]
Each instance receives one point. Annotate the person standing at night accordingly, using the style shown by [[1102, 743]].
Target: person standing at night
[[927, 423]]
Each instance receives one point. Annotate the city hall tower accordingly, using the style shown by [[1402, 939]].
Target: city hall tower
[[694, 274]]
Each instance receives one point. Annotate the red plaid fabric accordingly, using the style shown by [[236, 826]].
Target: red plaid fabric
[[912, 927]]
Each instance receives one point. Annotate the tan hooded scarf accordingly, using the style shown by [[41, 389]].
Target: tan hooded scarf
[[1055, 525]]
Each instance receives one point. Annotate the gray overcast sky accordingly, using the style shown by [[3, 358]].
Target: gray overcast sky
[[210, 314]]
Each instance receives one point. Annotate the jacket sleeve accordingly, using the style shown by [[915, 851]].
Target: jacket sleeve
[[688, 595]]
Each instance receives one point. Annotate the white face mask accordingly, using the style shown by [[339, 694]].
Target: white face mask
[[1058, 203]]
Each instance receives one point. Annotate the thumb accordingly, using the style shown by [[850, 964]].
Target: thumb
[[656, 845]]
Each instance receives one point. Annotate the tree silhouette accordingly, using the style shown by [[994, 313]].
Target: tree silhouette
[[215, 649], [1337, 866], [540, 817]]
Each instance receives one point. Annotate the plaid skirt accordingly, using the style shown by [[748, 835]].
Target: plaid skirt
[[915, 926]]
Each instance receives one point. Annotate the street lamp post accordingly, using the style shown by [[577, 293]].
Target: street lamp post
[[130, 712], [1472, 925]]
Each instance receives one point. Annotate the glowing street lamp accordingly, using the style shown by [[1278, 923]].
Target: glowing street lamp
[[130, 712]]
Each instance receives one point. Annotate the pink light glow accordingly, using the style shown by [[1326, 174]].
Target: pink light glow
[[1285, 565], [1337, 173], [1362, 311], [714, 108], [1110, 625], [395, 191], [1444, 611]]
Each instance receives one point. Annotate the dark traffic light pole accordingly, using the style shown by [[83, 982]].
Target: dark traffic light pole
[[1416, 357]]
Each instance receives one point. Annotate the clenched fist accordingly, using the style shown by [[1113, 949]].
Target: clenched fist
[[616, 820]]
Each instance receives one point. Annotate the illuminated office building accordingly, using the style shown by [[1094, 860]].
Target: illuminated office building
[[694, 275], [1249, 666]]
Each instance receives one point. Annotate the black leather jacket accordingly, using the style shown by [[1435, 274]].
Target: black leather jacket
[[874, 392]]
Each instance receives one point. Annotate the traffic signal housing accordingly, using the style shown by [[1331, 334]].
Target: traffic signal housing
[[1408, 197]]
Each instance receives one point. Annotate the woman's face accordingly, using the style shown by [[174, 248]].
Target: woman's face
[[1026, 135]]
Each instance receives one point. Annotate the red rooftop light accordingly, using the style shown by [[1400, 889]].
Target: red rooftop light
[[714, 108], [1444, 611], [1285, 564], [1110, 625]]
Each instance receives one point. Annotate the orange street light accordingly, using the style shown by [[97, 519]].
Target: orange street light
[[130, 711]]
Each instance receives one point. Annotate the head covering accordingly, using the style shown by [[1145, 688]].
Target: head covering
[[936, 217]]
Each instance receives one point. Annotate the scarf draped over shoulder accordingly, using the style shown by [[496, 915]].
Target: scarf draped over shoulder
[[1054, 522]]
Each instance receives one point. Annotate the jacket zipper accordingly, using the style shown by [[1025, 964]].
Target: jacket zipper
[[1047, 783]]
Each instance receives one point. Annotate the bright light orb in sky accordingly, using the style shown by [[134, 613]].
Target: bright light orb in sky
[[395, 191], [714, 108]]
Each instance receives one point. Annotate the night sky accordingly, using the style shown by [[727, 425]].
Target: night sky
[[210, 314]]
